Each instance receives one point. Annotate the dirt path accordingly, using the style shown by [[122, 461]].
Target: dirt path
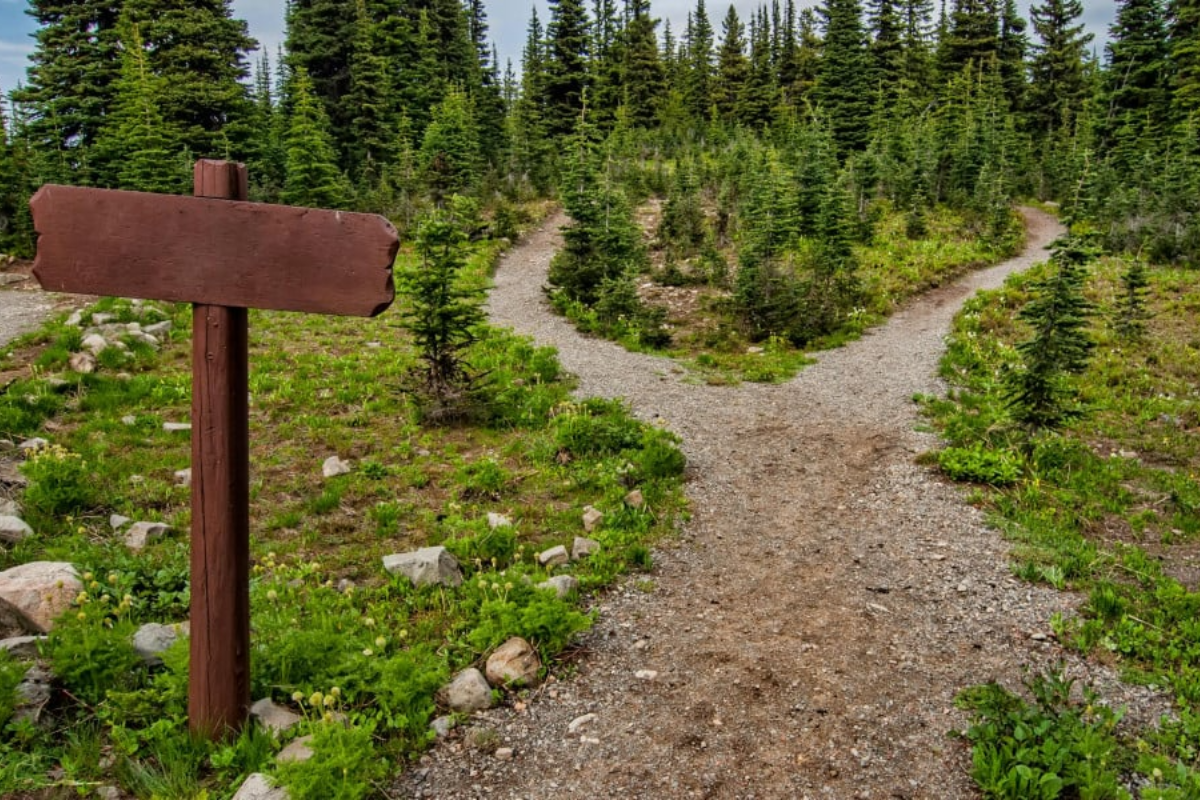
[[824, 605], [21, 307]]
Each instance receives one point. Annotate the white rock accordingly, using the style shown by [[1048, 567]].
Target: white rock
[[645, 674], [635, 499], [583, 547], [177, 427], [129, 419], [442, 726], [13, 529], [141, 534], [154, 638], [183, 477], [514, 663], [273, 717], [504, 754], [555, 556], [75, 319], [468, 692], [297, 750], [83, 363], [579, 722], [95, 343], [562, 585], [498, 520], [22, 647], [429, 565], [38, 592], [116, 521], [102, 318], [108, 793], [36, 443], [158, 328], [10, 508], [591, 518], [334, 466], [258, 787]]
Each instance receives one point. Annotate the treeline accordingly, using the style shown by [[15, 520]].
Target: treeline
[[390, 105]]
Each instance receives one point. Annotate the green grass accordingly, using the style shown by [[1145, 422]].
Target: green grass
[[320, 386], [1109, 506]]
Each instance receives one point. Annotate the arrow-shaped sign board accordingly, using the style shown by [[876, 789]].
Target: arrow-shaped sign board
[[224, 256]]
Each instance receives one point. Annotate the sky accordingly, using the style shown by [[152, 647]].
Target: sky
[[507, 20]]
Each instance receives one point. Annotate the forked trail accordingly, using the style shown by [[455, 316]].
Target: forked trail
[[824, 604]]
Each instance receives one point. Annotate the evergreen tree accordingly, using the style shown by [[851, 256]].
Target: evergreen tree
[[1136, 99], [136, 149], [758, 100], [1041, 395], [886, 49], [72, 80], [698, 81], [566, 74], [643, 75], [321, 38], [1185, 59], [972, 37], [313, 178], [200, 52], [266, 158], [1059, 86], [733, 69], [1011, 49], [1131, 316], [450, 150], [11, 196], [917, 22], [843, 87], [371, 125]]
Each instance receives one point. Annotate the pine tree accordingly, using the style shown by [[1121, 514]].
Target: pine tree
[[887, 50], [917, 22], [371, 126], [11, 195], [450, 149], [321, 37], [1059, 87], [1041, 395], [972, 37], [643, 81], [1135, 97], [199, 51], [843, 88], [1130, 322], [698, 82], [313, 178], [72, 81], [566, 74], [733, 68], [136, 149], [266, 158], [1011, 49], [759, 99], [1185, 58]]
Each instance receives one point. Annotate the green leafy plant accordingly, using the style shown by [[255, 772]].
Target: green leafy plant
[[344, 765], [60, 482], [979, 463]]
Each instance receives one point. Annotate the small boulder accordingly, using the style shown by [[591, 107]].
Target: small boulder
[[141, 534], [563, 585], [583, 547], [297, 750], [555, 556], [129, 419], [75, 319], [514, 663], [442, 726], [183, 477], [38, 592], [177, 427], [158, 329], [635, 499], [95, 343], [33, 694], [504, 754], [21, 647], [498, 521], [258, 787], [83, 363], [467, 693], [36, 443], [591, 518], [116, 521], [429, 565], [334, 466], [272, 716], [13, 529], [10, 508], [153, 639]]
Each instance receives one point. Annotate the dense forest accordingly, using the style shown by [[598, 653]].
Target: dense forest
[[779, 143]]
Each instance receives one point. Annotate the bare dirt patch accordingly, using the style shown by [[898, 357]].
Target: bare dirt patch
[[807, 633]]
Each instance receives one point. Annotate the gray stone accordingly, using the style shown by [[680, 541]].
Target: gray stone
[[108, 793], [272, 716], [153, 639], [583, 547], [591, 518], [95, 343], [116, 521], [11, 277], [36, 443], [635, 499], [258, 787], [297, 750], [22, 647], [442, 726], [468, 692], [159, 328], [498, 520], [102, 318], [504, 754], [33, 693], [579, 722], [334, 466], [514, 663], [183, 477], [141, 534], [9, 507], [82, 362], [555, 556], [177, 427], [429, 565], [38, 592], [562, 585], [129, 419], [75, 319], [13, 529]]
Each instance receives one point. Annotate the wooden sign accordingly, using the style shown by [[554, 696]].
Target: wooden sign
[[224, 257], [203, 250]]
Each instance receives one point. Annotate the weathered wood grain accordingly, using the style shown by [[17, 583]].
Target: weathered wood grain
[[219, 669], [212, 251]]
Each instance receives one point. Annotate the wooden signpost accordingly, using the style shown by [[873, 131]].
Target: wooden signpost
[[223, 255]]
